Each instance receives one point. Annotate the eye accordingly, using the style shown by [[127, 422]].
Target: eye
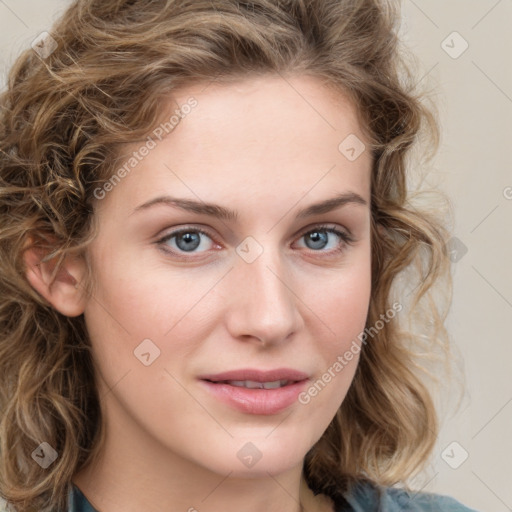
[[188, 240], [326, 239], [321, 239]]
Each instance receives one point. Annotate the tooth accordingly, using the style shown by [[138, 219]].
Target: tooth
[[272, 385], [237, 383], [251, 384]]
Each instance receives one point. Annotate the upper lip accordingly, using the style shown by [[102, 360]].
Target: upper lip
[[257, 375]]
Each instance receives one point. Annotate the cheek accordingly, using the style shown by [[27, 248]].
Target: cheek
[[137, 300], [339, 316], [140, 294], [339, 313], [342, 302]]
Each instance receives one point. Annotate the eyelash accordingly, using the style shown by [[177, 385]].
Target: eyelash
[[347, 239]]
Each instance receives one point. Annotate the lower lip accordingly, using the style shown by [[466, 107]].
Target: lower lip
[[256, 401]]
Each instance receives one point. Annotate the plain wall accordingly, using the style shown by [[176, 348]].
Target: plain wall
[[473, 91]]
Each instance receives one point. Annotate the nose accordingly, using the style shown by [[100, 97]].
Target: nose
[[263, 304]]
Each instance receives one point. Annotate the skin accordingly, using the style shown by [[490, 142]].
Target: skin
[[266, 147]]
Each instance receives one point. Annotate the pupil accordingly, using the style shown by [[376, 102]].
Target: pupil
[[188, 241], [318, 238]]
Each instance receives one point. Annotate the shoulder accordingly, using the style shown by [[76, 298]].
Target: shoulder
[[367, 496]]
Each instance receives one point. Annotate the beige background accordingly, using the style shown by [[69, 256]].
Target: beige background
[[474, 94]]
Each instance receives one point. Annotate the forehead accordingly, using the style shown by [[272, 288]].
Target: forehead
[[270, 110], [268, 136]]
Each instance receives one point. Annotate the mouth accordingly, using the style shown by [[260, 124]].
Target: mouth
[[253, 384], [250, 375], [256, 391]]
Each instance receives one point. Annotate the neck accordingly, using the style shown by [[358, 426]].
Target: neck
[[116, 490], [141, 475]]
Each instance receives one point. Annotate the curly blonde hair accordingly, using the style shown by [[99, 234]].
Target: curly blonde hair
[[62, 118]]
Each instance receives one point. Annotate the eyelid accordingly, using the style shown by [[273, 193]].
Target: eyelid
[[185, 229], [345, 232], [318, 226]]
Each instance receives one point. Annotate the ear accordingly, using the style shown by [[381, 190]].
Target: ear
[[382, 230], [377, 228], [64, 292]]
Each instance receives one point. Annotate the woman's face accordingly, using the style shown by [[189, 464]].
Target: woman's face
[[232, 255]]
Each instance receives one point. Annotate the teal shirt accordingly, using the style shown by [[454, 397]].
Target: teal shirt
[[363, 498]]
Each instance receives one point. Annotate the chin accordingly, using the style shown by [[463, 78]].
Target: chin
[[255, 456]]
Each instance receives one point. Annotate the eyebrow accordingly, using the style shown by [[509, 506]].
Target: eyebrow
[[224, 213]]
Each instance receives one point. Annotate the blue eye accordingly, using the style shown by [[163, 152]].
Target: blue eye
[[321, 239], [186, 240], [329, 238]]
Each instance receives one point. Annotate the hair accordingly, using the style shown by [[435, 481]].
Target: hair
[[63, 120]]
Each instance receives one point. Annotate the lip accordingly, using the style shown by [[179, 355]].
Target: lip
[[256, 401], [257, 375]]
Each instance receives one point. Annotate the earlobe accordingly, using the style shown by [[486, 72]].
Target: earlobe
[[64, 292]]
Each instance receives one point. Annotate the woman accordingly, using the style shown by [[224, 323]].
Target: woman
[[205, 224]]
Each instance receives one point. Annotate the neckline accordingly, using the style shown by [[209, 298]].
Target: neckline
[[78, 502]]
